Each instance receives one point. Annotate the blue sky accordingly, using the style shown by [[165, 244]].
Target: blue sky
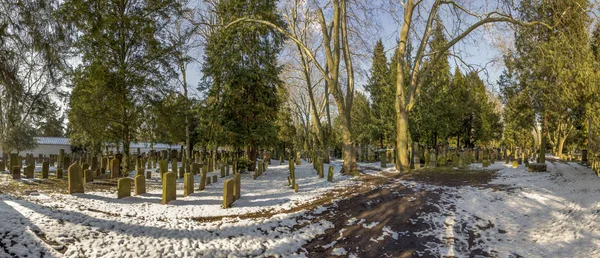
[[476, 50]]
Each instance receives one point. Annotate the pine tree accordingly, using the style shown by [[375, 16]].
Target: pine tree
[[242, 75], [381, 97], [124, 66]]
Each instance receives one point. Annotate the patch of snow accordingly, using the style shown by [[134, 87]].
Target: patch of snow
[[339, 251]]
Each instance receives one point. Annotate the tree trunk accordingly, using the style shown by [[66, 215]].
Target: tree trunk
[[402, 162], [561, 144], [542, 154], [349, 166]]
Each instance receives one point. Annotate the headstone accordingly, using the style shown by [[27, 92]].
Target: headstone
[[16, 172], [188, 184], [237, 186], [515, 164], [75, 179], [115, 168], [207, 180], [2, 166], [181, 172], [123, 188], [88, 175], [28, 171], [417, 162], [222, 170], [169, 191], [140, 185], [228, 197], [214, 178], [59, 173], [382, 158], [330, 174], [163, 166], [203, 178], [45, 169]]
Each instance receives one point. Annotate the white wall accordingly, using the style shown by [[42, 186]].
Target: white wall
[[46, 150]]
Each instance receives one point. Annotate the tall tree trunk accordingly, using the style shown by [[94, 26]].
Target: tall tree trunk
[[561, 144], [542, 154], [402, 162]]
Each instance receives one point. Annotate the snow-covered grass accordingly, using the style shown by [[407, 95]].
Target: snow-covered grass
[[98, 224], [551, 214]]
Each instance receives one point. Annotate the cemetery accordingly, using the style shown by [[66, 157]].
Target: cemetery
[[285, 128]]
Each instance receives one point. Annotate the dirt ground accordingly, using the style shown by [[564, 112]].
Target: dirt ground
[[394, 206]]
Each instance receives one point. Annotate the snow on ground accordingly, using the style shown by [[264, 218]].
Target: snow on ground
[[98, 224], [551, 214]]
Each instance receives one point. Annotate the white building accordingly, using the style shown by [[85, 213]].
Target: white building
[[52, 145]]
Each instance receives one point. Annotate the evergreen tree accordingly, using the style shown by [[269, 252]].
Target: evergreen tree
[[543, 60], [382, 99], [242, 74], [124, 66], [431, 117]]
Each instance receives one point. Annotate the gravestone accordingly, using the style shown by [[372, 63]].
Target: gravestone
[[222, 170], [59, 173], [237, 186], [202, 178], [45, 169], [28, 171], [181, 172], [228, 198], [88, 175], [169, 190], [75, 179], [16, 172], [188, 184], [214, 178], [140, 185], [207, 180], [515, 164], [115, 168], [2, 166], [330, 174], [123, 188], [163, 166]]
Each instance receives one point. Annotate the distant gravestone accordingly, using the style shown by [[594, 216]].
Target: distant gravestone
[[75, 179], [140, 185], [169, 190], [163, 166], [16, 172], [228, 198], [123, 188], [330, 174], [214, 178], [202, 178], [59, 173], [208, 180], [188, 184], [88, 175], [222, 170], [237, 188], [45, 169], [115, 168], [29, 171]]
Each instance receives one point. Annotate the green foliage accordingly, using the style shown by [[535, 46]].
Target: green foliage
[[546, 78], [381, 90], [242, 75], [31, 69], [124, 64], [362, 120]]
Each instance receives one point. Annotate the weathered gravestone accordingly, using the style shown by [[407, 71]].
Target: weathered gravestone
[[169, 190], [140, 185], [88, 175], [45, 169], [115, 168], [188, 184], [330, 174], [75, 179], [59, 173], [203, 178], [163, 166], [228, 197], [214, 178], [237, 186], [123, 188], [29, 171], [16, 172]]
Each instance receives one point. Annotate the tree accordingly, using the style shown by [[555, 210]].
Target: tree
[[242, 75], [407, 92], [52, 122], [362, 119], [382, 97], [543, 60], [123, 65], [432, 117], [335, 49], [31, 65]]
